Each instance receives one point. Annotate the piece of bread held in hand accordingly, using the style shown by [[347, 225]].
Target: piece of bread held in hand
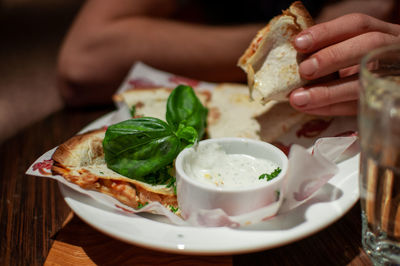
[[271, 61]]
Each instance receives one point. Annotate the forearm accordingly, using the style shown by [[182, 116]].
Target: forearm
[[198, 51], [101, 58]]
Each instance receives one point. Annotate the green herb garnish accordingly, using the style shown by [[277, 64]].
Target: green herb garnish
[[142, 148], [140, 205], [172, 183], [173, 209], [133, 110], [272, 175], [162, 176]]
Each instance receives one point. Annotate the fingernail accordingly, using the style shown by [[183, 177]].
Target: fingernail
[[309, 66], [304, 41], [301, 98]]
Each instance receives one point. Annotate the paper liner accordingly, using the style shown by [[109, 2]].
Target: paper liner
[[310, 166]]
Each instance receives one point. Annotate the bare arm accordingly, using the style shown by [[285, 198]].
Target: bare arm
[[106, 39]]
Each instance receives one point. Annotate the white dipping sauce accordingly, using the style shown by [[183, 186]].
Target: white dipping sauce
[[210, 164]]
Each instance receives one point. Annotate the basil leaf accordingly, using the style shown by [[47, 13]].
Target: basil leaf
[[137, 147], [183, 107], [133, 110], [145, 148], [187, 135], [162, 176]]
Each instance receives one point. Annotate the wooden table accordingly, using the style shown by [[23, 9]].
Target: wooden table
[[37, 227]]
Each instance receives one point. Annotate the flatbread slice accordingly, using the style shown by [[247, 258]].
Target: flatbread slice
[[152, 101], [231, 111], [233, 114], [80, 160], [271, 62]]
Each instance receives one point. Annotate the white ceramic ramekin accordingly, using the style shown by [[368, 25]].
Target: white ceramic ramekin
[[194, 195]]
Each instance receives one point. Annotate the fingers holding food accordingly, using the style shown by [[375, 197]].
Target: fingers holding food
[[328, 98]]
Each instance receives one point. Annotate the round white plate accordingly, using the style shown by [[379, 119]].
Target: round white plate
[[154, 232]]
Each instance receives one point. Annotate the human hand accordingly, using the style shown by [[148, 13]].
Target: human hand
[[336, 47]]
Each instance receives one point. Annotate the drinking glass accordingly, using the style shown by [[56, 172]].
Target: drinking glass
[[379, 129]]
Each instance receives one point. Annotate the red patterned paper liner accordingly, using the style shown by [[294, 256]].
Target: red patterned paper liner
[[43, 167], [123, 208], [143, 83], [183, 80]]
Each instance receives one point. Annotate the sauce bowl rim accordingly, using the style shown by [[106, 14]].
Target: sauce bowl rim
[[181, 174]]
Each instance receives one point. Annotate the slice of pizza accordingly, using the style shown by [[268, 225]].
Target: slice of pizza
[[271, 61], [152, 102], [81, 161], [233, 114]]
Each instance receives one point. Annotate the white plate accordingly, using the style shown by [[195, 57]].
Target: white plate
[[150, 231]]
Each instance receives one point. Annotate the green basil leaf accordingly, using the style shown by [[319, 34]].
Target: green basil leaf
[[137, 147], [188, 135], [183, 107], [162, 176], [133, 110]]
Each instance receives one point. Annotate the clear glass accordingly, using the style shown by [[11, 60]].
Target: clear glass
[[379, 128]]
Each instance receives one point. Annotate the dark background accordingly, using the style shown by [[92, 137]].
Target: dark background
[[31, 32]]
